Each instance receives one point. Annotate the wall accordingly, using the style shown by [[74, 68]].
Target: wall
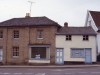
[[27, 35], [76, 42], [89, 18]]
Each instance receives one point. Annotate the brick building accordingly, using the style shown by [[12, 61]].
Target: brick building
[[28, 40]]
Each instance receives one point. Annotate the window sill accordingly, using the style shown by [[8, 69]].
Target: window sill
[[86, 40], [15, 38], [15, 57], [77, 57], [39, 59], [1, 38], [39, 38]]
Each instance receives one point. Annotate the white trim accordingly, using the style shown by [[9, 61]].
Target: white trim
[[39, 61], [93, 22], [47, 55], [86, 21]]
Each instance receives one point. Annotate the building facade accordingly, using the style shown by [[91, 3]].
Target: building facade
[[75, 44], [92, 19], [40, 40], [28, 40]]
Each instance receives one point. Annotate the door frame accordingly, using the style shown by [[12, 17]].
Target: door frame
[[90, 49], [62, 56], [1, 49]]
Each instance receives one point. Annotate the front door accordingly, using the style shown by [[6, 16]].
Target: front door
[[1, 54], [88, 55], [59, 56]]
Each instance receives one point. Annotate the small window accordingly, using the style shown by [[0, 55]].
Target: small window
[[39, 34], [1, 34], [16, 34], [77, 53], [85, 37], [68, 37], [15, 52]]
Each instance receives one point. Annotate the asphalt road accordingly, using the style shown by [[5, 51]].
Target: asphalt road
[[50, 71]]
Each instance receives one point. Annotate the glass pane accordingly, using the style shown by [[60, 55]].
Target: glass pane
[[60, 54], [57, 59], [60, 59], [57, 53], [38, 52]]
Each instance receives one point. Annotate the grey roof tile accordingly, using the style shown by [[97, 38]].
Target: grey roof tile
[[30, 21], [96, 17], [76, 31]]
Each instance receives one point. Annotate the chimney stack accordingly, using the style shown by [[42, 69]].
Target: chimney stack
[[27, 15], [65, 24]]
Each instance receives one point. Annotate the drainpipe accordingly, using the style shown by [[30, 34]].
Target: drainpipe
[[6, 44], [28, 46]]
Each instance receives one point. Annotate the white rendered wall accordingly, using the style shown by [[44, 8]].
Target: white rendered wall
[[89, 18], [76, 42]]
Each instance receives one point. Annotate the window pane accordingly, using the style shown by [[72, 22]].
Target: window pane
[[16, 34], [40, 34], [85, 37], [15, 51], [77, 53], [38, 52], [1, 34], [60, 54], [68, 37]]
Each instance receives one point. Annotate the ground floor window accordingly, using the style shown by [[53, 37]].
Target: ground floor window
[[39, 52], [15, 52], [77, 53]]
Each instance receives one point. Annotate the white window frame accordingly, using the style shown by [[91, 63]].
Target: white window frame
[[16, 34], [14, 51], [68, 37], [85, 37], [39, 34]]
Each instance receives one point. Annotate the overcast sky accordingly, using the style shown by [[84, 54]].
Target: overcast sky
[[71, 11]]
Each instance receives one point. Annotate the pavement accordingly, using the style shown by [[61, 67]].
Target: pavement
[[50, 66]]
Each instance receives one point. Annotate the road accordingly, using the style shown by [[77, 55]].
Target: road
[[50, 71]]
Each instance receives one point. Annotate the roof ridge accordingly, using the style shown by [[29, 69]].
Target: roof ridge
[[29, 17]]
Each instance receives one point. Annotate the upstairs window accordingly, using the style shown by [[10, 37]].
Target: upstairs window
[[39, 34], [1, 34], [85, 37], [68, 37], [16, 34], [15, 52]]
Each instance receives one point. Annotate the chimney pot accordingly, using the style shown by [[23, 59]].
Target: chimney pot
[[27, 15], [65, 24]]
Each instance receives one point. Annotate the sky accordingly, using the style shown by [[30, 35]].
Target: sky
[[71, 11]]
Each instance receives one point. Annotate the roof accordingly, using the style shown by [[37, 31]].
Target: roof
[[29, 21], [96, 17], [76, 31]]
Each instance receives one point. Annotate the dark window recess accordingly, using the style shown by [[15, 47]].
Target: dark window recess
[[39, 33], [1, 34], [38, 53], [68, 37], [85, 37], [15, 51], [16, 34]]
